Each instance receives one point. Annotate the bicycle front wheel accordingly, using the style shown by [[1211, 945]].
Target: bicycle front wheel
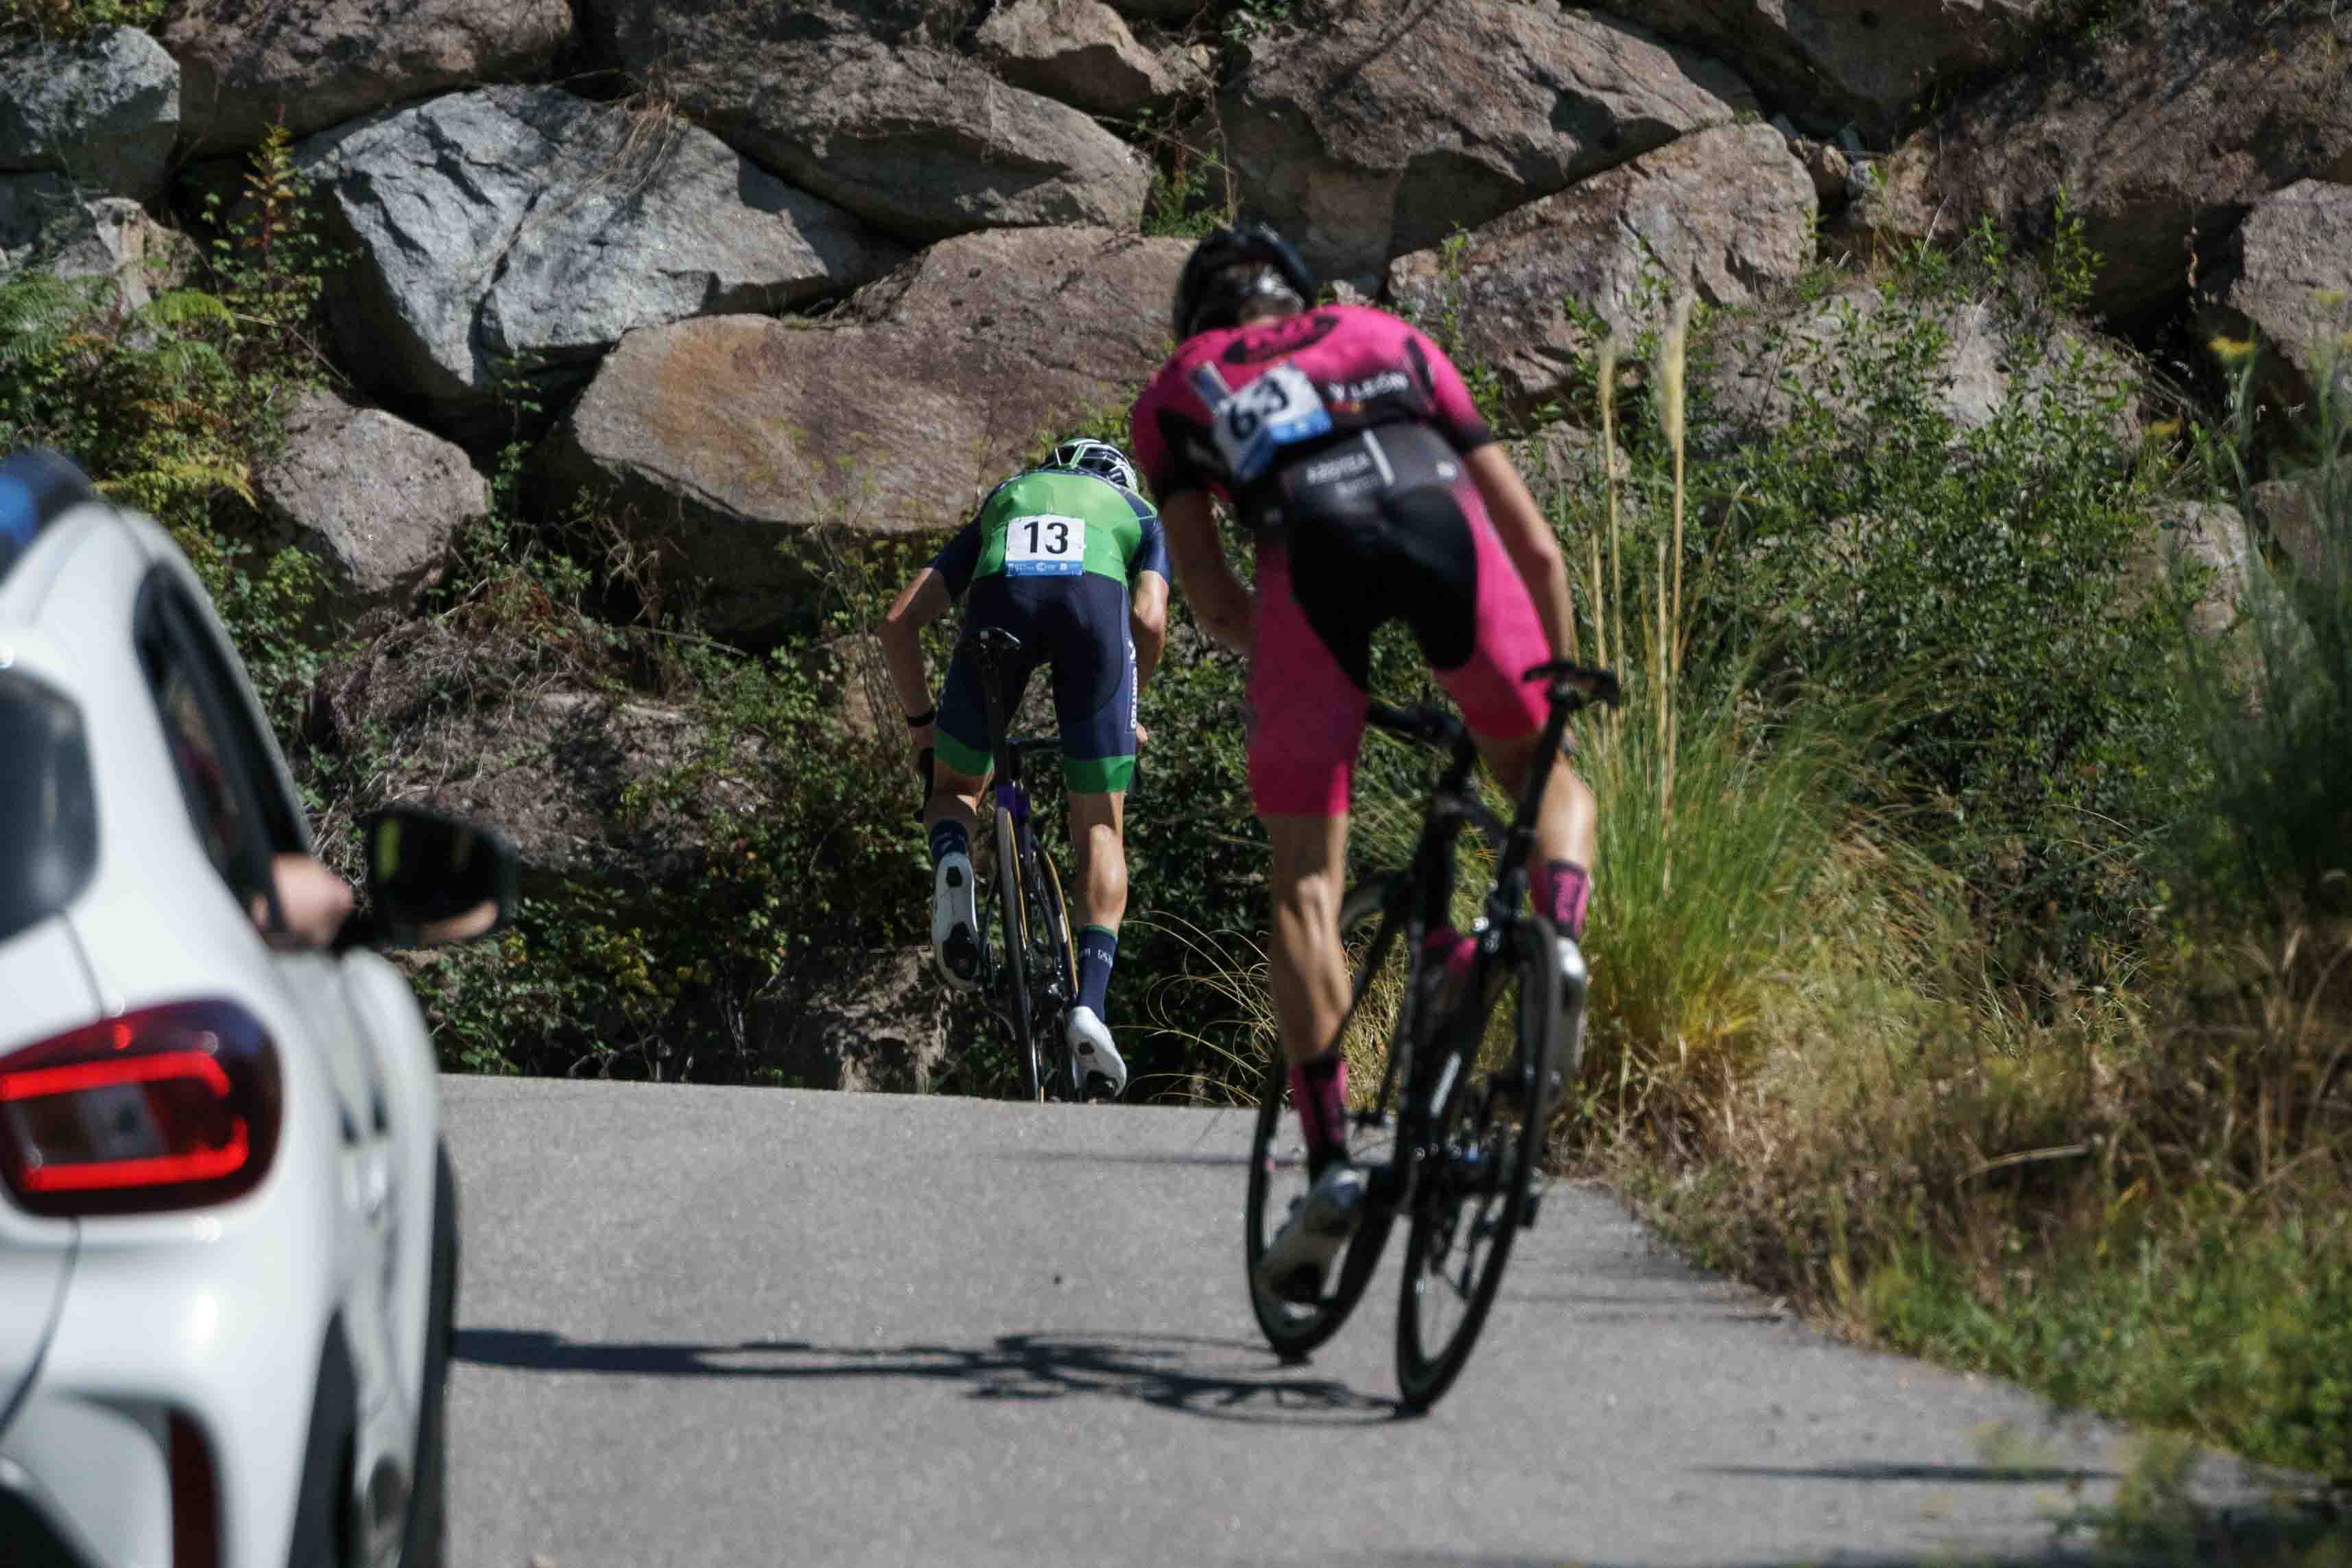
[[1013, 977], [1379, 960], [1482, 1141]]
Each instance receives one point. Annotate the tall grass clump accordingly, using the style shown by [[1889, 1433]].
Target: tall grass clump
[[1742, 899], [2275, 696]]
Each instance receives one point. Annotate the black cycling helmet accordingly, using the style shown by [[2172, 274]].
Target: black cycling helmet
[[1232, 267], [1100, 459]]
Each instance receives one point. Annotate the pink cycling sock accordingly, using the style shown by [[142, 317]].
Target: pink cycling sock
[[1318, 1088], [1561, 890]]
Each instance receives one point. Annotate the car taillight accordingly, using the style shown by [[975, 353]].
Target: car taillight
[[166, 1107]]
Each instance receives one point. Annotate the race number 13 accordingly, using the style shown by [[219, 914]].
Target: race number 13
[[1045, 546]]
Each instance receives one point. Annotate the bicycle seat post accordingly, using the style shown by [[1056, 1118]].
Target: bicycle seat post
[[995, 647]]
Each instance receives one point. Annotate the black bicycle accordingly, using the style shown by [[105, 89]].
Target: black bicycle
[[1031, 975], [1453, 1138]]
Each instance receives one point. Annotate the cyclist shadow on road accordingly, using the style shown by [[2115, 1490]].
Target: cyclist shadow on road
[[1166, 1371]]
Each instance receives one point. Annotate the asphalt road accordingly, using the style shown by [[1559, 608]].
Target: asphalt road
[[711, 1326]]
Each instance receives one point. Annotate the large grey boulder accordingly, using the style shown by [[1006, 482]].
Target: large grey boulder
[[310, 64], [1760, 369], [104, 109], [376, 499], [2319, 547], [1083, 53], [498, 725], [2162, 130], [742, 447], [1399, 122], [865, 103], [46, 226], [1726, 212], [2290, 284], [523, 222], [1087, 301], [2206, 548], [1864, 62], [875, 1021]]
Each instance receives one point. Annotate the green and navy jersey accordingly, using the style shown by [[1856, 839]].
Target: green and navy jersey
[[1051, 522]]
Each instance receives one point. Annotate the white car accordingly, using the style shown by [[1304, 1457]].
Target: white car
[[227, 1226]]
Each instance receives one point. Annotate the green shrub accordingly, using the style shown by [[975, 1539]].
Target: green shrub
[[72, 18], [1871, 550]]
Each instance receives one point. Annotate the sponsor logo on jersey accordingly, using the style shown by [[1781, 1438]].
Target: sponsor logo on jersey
[[1364, 391], [1348, 465]]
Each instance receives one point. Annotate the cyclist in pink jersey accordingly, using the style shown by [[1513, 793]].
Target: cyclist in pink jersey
[[1347, 447]]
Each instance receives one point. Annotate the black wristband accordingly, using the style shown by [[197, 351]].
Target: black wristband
[[917, 721]]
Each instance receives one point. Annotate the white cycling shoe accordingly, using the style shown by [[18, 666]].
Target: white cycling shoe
[[1320, 1227], [955, 921], [1089, 1039]]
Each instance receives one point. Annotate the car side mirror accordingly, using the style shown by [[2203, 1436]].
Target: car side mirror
[[433, 880]]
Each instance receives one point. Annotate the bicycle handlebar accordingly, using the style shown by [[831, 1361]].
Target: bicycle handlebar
[[1588, 682], [1572, 683]]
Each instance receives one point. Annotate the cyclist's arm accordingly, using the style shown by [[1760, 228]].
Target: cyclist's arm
[[918, 603], [1147, 620], [1527, 537], [1220, 603]]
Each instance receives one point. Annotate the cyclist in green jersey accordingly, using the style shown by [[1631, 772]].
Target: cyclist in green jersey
[[1069, 559]]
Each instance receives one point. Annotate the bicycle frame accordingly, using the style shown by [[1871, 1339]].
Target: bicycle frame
[[1009, 792], [1430, 882]]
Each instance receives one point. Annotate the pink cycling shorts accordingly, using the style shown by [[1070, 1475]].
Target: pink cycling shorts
[[1307, 713]]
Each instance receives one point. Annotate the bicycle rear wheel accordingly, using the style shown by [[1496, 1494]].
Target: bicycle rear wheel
[[1014, 976], [1372, 935], [1470, 1201], [1059, 962]]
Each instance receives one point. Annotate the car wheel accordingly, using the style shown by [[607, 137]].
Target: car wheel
[[426, 1540]]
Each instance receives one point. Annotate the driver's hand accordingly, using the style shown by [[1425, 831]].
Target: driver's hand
[[313, 900]]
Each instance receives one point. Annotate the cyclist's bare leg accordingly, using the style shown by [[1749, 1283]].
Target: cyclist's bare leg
[[1568, 824], [950, 822], [1308, 974], [1098, 829], [1097, 823], [955, 797], [1306, 971]]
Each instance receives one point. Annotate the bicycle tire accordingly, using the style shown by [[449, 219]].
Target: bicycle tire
[[1498, 1178], [1062, 960], [1015, 978], [1291, 1329]]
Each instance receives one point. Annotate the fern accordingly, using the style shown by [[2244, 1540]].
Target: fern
[[184, 360], [40, 311], [182, 308]]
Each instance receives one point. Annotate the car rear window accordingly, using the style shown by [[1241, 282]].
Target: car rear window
[[48, 815]]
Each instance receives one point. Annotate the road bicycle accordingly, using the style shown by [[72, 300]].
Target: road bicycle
[[1030, 975], [1451, 1141]]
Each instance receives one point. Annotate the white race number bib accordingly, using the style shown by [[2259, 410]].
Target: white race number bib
[[1279, 407], [1045, 545]]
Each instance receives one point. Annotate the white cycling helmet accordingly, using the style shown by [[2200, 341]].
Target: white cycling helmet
[[1100, 458]]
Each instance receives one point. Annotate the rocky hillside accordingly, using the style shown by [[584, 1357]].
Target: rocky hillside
[[725, 308]]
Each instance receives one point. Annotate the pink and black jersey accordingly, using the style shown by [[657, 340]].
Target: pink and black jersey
[[1235, 408]]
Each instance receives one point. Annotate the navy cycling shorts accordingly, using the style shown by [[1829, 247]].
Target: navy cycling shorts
[[1077, 625]]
